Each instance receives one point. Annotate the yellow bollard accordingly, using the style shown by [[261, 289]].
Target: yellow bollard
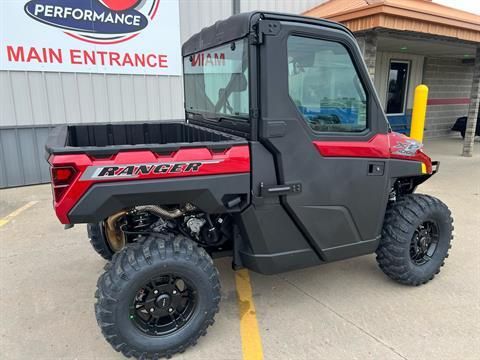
[[419, 112]]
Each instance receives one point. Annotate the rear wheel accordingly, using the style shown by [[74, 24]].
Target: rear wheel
[[416, 237], [106, 236], [157, 297], [99, 241]]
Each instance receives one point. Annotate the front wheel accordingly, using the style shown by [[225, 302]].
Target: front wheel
[[416, 237], [157, 297]]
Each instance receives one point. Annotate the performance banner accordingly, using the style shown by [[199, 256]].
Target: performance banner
[[94, 36]]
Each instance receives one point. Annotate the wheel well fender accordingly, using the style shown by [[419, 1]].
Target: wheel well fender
[[211, 194]]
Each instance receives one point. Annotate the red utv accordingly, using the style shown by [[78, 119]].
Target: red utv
[[285, 160]]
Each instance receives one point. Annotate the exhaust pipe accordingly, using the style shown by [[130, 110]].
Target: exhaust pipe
[[161, 212]]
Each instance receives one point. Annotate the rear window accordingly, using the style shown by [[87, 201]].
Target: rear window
[[216, 81]]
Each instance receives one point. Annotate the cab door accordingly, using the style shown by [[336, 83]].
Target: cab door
[[321, 120]]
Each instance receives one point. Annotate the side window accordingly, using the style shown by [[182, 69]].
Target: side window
[[324, 85]]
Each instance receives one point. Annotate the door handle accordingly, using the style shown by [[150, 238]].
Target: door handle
[[277, 190], [376, 168]]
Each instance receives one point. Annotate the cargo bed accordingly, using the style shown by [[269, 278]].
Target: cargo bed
[[160, 137]]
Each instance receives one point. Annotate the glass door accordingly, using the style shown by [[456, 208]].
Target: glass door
[[397, 87]]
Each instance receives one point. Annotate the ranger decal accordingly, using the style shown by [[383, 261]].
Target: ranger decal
[[139, 170]]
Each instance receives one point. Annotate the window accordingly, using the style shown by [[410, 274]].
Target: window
[[324, 85], [397, 87], [216, 81]]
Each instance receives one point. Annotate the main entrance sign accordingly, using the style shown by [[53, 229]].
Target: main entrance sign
[[108, 36]]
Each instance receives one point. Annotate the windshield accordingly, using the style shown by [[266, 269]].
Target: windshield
[[216, 81]]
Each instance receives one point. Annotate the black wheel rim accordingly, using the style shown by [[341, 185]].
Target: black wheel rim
[[163, 305], [424, 243]]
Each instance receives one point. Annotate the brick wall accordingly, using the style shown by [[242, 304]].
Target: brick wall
[[446, 79]]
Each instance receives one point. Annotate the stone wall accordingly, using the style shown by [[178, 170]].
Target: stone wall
[[368, 46]]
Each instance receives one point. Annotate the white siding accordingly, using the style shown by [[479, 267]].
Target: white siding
[[197, 14], [287, 6], [36, 98]]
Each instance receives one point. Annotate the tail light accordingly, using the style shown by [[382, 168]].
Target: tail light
[[62, 178]]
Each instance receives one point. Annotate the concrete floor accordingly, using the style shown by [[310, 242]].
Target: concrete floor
[[344, 310]]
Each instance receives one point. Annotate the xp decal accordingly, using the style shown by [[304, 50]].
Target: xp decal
[[95, 21], [406, 147]]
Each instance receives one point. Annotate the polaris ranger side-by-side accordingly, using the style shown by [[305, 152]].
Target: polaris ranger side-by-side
[[285, 160]]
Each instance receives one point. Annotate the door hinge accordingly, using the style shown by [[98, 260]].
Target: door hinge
[[264, 28], [254, 38], [254, 113]]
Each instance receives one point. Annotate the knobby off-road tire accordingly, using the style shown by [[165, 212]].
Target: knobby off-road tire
[[98, 240], [134, 266], [404, 220]]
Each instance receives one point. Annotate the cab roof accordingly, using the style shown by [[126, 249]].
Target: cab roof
[[238, 26]]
